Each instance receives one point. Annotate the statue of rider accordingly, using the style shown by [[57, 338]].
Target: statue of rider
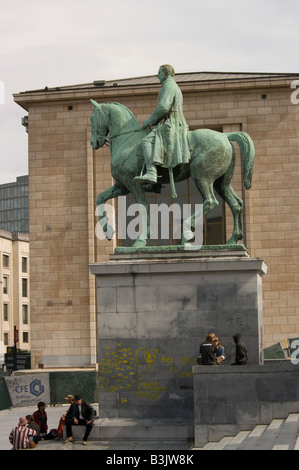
[[167, 143]]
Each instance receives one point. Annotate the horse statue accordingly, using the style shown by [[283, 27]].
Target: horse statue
[[211, 166]]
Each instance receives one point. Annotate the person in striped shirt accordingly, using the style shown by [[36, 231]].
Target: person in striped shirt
[[21, 437]]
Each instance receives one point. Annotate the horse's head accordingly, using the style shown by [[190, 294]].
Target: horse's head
[[99, 126]]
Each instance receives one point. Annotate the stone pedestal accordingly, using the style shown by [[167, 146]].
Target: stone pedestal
[[154, 310]]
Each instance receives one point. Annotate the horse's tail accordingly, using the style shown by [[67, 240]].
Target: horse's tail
[[247, 153]]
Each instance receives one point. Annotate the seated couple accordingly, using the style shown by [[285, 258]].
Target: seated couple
[[211, 353]]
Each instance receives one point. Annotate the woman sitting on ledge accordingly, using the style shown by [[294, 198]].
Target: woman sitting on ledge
[[208, 352]]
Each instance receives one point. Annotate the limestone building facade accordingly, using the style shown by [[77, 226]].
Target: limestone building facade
[[66, 174], [15, 291]]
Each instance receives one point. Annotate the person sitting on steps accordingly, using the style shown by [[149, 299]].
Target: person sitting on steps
[[84, 414]]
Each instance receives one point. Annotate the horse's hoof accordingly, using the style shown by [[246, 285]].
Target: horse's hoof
[[139, 243], [187, 237], [231, 241], [109, 232]]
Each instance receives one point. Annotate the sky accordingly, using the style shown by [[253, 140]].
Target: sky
[[66, 42]]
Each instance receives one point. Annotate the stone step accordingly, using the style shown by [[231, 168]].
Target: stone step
[[137, 429], [280, 434], [288, 436], [268, 438]]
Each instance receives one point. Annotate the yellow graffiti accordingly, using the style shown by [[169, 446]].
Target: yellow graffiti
[[151, 386], [123, 369], [150, 356], [189, 373], [173, 370], [113, 369], [167, 360], [187, 360], [147, 394]]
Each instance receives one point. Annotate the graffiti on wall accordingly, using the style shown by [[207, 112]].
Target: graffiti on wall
[[125, 369]]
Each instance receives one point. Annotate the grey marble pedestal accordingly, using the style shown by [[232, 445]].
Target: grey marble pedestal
[[154, 310]]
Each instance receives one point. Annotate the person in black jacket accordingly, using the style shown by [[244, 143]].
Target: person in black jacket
[[208, 352], [84, 414], [241, 351]]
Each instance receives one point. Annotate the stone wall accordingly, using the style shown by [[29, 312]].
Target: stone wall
[[153, 314], [230, 399]]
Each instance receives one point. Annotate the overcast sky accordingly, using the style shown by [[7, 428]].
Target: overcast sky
[[66, 42]]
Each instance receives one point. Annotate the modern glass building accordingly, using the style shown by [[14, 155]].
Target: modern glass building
[[14, 213]]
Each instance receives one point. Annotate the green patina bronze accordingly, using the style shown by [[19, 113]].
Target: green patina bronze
[[207, 249], [209, 158], [167, 143]]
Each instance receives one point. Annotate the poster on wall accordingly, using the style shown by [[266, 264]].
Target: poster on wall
[[28, 389]]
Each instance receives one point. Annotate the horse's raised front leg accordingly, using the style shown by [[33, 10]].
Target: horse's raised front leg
[[115, 191]]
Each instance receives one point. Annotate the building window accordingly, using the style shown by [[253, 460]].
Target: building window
[[5, 284], [214, 232], [24, 265], [25, 314], [5, 261], [5, 312], [5, 338], [24, 287], [25, 337]]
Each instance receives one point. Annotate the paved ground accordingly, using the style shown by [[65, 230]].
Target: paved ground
[[9, 419], [279, 435]]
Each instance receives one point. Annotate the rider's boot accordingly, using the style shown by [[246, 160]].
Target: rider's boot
[[150, 176], [151, 171]]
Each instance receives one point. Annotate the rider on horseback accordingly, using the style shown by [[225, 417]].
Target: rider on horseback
[[167, 143]]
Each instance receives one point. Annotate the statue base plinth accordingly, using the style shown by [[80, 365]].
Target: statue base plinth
[[179, 251], [154, 310]]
